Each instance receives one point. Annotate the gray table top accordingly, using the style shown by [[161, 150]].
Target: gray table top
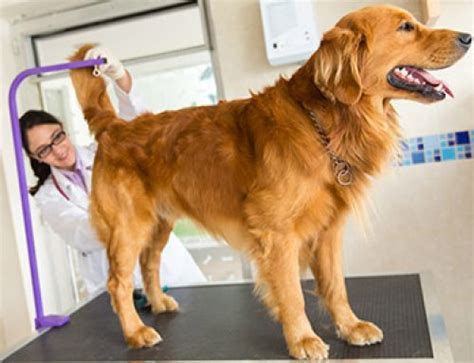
[[226, 322]]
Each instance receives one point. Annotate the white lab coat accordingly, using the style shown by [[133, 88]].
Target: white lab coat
[[70, 220]]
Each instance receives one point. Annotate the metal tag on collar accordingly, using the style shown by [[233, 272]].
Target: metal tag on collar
[[343, 172]]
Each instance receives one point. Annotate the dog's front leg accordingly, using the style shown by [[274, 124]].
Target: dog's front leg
[[123, 254], [279, 284], [327, 269]]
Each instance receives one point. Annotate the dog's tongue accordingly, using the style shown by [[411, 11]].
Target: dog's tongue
[[432, 80]]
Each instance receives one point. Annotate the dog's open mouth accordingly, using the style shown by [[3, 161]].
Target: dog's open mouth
[[418, 80]]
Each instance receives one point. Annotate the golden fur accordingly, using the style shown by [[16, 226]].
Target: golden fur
[[254, 172]]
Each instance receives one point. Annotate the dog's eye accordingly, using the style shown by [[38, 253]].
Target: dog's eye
[[406, 27]]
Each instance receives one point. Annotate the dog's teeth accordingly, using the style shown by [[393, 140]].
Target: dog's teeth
[[405, 71]]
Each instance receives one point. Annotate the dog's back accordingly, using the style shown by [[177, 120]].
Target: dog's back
[[200, 162]]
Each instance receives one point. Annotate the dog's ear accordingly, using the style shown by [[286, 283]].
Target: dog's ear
[[336, 66]]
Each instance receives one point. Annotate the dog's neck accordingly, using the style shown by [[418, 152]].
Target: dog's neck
[[365, 134]]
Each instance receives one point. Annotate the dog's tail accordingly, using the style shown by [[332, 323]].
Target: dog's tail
[[92, 95]]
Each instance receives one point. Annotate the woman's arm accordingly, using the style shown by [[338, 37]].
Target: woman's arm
[[130, 104], [125, 82], [69, 221]]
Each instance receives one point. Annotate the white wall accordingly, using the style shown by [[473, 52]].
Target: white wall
[[424, 213], [15, 321], [15, 306]]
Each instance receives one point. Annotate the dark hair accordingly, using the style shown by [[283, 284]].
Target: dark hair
[[29, 120]]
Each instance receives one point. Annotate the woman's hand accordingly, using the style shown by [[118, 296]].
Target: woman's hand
[[113, 68]]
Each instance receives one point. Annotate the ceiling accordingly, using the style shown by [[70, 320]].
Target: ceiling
[[17, 9]]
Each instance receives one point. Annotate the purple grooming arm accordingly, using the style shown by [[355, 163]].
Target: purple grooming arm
[[41, 321]]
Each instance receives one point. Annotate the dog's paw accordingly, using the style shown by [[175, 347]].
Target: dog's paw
[[144, 337], [309, 348], [362, 333], [164, 304]]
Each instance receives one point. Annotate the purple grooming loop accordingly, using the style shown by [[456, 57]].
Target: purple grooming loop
[[41, 321]]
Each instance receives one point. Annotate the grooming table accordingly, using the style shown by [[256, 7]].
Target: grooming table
[[226, 322]]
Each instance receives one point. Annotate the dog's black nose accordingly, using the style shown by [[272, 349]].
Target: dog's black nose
[[465, 40]]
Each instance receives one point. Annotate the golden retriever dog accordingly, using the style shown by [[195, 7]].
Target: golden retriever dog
[[275, 174]]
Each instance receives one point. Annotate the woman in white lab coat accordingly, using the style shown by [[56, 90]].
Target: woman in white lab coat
[[64, 182]]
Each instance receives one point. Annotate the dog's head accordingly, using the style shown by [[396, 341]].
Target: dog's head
[[384, 51]]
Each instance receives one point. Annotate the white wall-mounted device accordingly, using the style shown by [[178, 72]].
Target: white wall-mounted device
[[289, 30]]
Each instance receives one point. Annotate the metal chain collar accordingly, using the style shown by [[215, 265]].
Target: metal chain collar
[[342, 169]]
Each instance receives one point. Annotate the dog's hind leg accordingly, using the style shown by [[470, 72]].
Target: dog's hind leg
[[150, 258], [123, 250], [327, 269], [278, 270]]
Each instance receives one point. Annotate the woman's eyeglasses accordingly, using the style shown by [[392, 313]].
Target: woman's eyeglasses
[[45, 150]]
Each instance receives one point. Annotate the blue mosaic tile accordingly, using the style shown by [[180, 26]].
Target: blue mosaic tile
[[448, 154], [436, 148], [431, 142], [418, 157], [462, 138]]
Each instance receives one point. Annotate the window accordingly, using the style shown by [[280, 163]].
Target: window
[[172, 68]]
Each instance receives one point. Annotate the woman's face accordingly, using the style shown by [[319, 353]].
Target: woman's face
[[49, 144]]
